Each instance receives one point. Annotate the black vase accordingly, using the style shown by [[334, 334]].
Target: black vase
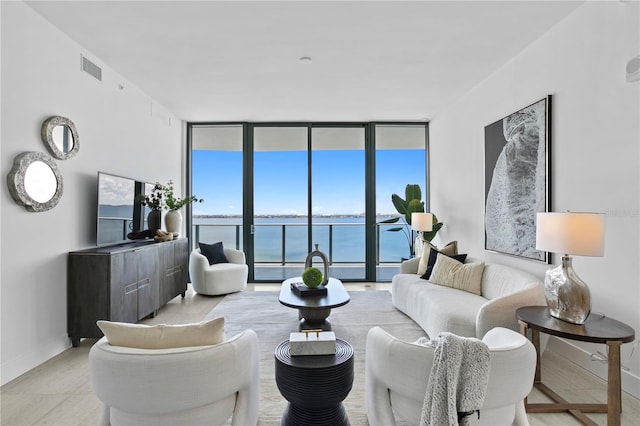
[[154, 220]]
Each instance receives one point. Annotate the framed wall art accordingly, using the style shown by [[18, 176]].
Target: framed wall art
[[517, 179]]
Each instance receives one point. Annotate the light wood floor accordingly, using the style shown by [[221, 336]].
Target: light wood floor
[[59, 392]]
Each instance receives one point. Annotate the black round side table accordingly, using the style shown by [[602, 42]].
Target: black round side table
[[314, 385]]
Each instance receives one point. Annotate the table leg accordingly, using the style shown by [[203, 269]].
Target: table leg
[[314, 319], [523, 331], [614, 385], [535, 340]]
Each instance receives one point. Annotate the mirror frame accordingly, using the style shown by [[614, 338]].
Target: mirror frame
[[47, 136], [15, 181]]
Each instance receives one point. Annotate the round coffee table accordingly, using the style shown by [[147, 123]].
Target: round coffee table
[[314, 385], [314, 310]]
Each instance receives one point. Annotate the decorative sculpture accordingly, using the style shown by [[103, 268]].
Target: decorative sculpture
[[325, 261]]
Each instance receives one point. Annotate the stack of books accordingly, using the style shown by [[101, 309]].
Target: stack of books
[[302, 290]]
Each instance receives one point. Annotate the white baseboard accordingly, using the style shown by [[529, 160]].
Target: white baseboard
[[579, 356], [18, 366]]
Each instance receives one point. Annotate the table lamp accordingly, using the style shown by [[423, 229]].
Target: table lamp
[[421, 222], [582, 234]]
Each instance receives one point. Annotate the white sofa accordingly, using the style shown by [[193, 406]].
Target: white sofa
[[437, 308], [398, 388]]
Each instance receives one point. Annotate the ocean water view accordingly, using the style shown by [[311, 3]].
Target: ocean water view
[[283, 239]]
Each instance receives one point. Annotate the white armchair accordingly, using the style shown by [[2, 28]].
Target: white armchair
[[194, 385], [397, 373], [219, 278]]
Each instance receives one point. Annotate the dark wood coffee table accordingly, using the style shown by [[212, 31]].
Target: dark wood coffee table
[[314, 310]]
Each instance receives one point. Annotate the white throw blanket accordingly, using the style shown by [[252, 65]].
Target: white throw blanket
[[458, 381]]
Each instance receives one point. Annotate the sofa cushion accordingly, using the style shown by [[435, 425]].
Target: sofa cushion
[[451, 273], [163, 336], [499, 280], [450, 249], [433, 255], [214, 253], [436, 308]]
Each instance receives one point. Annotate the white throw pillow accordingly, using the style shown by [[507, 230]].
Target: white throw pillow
[[163, 336], [450, 249], [463, 276]]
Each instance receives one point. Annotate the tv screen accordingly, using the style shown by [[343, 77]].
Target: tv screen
[[118, 212]]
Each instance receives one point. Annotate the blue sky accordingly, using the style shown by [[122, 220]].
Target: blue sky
[[280, 181]]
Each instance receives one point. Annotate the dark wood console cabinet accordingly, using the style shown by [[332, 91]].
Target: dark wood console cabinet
[[122, 283]]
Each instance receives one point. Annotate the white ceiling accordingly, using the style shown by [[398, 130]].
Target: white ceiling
[[381, 60]]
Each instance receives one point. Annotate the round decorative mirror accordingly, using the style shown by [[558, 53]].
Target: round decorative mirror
[[60, 136], [35, 181]]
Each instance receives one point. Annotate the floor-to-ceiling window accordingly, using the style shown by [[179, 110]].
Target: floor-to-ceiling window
[[280, 200], [338, 198], [400, 160], [292, 185], [216, 177]]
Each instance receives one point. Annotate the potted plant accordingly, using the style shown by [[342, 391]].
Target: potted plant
[[412, 203], [154, 202], [162, 197], [173, 218]]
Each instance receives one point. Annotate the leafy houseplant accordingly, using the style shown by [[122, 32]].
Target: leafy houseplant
[[412, 203], [152, 201], [172, 203], [162, 197]]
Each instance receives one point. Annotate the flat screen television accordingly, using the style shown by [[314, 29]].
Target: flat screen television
[[118, 212]]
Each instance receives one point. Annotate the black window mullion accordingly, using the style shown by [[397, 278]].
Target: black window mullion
[[247, 198], [371, 239], [309, 189]]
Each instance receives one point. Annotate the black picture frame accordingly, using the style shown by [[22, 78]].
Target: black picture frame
[[517, 179]]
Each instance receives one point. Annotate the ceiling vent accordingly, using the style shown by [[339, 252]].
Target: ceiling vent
[[91, 68]]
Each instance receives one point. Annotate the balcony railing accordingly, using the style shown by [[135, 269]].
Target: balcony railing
[[394, 246]]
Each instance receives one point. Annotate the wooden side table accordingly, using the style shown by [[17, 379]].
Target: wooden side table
[[314, 385], [597, 329]]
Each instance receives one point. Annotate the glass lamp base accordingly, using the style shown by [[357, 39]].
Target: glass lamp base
[[418, 246], [568, 297]]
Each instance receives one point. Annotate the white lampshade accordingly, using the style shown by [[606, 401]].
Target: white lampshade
[[579, 234], [421, 222]]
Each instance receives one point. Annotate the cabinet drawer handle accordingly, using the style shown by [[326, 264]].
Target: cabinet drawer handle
[[174, 270], [131, 288]]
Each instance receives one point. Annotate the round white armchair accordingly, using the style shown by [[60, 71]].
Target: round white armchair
[[397, 374], [219, 278], [195, 385]]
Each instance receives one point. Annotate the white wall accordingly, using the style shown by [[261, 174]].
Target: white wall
[[595, 155], [119, 134]]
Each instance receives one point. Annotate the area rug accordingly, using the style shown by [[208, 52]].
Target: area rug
[[273, 322]]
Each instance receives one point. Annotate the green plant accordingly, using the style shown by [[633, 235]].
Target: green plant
[[153, 200], [162, 197], [412, 203], [172, 203], [312, 277]]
